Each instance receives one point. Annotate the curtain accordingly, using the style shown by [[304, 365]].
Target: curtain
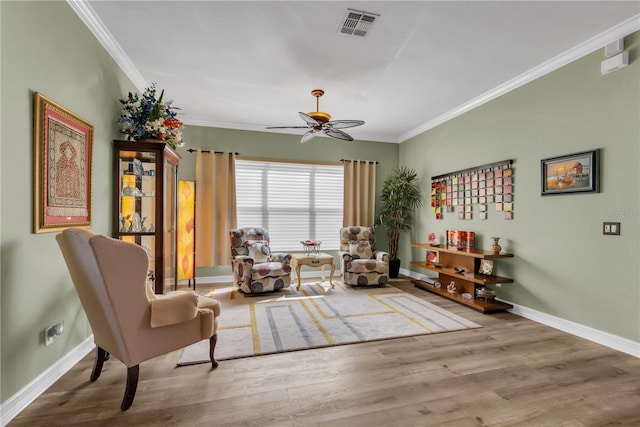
[[215, 207], [359, 192]]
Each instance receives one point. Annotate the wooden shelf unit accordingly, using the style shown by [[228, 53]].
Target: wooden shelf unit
[[467, 281]]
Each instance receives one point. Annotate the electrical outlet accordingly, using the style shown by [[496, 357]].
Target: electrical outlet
[[53, 331], [611, 228]]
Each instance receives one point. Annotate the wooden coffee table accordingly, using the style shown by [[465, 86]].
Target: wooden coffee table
[[312, 260]]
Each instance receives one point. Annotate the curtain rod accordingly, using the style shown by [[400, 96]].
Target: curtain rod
[[360, 161], [191, 150], [475, 168]]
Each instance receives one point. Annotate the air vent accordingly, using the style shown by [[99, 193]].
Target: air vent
[[358, 22]]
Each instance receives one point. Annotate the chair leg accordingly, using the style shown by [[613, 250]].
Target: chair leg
[[132, 385], [212, 347], [101, 356]]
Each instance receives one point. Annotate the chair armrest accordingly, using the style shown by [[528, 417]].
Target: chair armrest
[[281, 257], [244, 259], [346, 256], [209, 304], [172, 308], [381, 256]]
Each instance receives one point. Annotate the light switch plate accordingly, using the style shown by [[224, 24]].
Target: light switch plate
[[611, 228]]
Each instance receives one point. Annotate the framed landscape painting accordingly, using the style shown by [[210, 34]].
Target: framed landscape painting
[[61, 167], [573, 173]]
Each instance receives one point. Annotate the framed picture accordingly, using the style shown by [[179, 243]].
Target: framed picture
[[486, 266], [573, 173], [432, 257], [61, 167]]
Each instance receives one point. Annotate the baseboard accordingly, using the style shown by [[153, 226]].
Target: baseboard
[[228, 279], [208, 280], [604, 338], [412, 274], [11, 407]]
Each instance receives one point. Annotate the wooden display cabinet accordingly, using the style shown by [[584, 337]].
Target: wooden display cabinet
[[449, 267], [145, 205]]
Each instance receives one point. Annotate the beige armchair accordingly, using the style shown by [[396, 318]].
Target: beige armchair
[[128, 321]]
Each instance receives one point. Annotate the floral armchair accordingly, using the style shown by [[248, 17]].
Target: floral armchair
[[360, 263], [255, 268]]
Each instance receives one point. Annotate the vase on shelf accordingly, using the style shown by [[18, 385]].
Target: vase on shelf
[[495, 247]]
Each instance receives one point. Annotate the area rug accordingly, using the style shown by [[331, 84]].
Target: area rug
[[318, 316]]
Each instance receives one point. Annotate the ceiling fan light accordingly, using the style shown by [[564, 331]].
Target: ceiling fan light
[[319, 116]]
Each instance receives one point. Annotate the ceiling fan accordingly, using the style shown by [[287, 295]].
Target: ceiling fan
[[320, 122]]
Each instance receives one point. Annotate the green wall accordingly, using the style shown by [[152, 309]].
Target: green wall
[[563, 264], [287, 147], [46, 48]]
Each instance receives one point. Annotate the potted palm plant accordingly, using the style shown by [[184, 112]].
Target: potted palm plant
[[400, 197]]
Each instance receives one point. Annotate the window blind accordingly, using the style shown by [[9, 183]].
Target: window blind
[[294, 201]]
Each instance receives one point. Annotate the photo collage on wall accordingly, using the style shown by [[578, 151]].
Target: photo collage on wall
[[474, 191]]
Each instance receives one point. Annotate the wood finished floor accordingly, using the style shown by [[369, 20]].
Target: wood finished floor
[[510, 372]]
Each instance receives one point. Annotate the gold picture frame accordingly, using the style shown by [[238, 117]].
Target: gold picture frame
[[486, 267], [63, 144]]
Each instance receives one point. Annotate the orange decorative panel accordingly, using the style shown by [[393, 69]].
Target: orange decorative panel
[[186, 232], [128, 203]]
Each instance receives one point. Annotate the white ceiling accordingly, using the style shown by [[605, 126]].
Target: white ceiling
[[248, 65]]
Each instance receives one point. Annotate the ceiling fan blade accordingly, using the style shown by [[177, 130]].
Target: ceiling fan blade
[[307, 136], [308, 120], [287, 127], [335, 133], [342, 124]]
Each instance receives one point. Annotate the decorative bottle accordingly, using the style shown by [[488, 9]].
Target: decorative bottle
[[495, 247]]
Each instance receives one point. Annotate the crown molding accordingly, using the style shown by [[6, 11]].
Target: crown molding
[[617, 32], [88, 16]]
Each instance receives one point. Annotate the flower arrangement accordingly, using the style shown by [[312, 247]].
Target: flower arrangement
[[147, 117]]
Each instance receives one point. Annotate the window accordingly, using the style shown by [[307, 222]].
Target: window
[[294, 201]]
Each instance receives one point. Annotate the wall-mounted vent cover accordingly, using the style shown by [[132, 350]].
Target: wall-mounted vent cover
[[358, 22]]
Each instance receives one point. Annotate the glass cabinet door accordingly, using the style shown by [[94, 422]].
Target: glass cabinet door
[[145, 199], [171, 216]]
